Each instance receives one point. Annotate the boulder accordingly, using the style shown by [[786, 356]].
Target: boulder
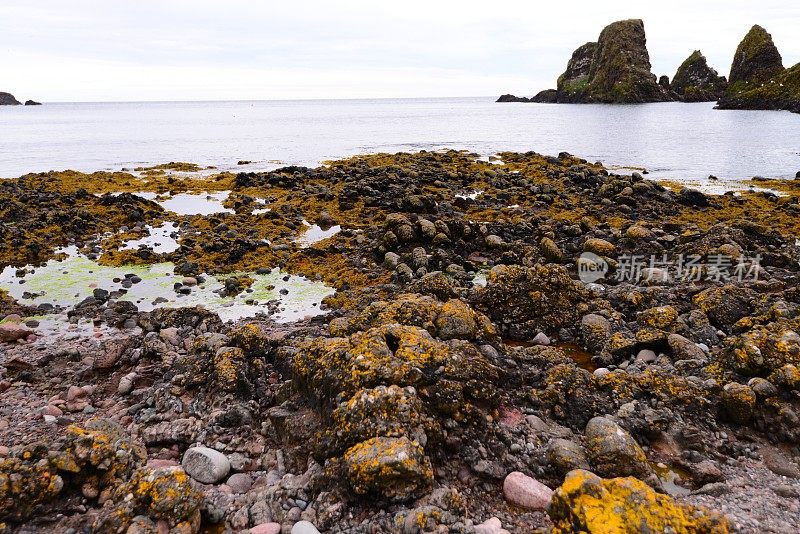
[[392, 468], [588, 503], [32, 103], [11, 332], [613, 452], [738, 402], [205, 465], [521, 490], [565, 456]]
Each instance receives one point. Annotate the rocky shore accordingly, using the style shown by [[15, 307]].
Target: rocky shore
[[520, 344]]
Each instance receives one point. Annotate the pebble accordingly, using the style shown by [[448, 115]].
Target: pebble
[[526, 492], [541, 339], [490, 526], [125, 385], [205, 465], [646, 356]]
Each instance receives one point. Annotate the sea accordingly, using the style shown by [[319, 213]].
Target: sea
[[677, 141]]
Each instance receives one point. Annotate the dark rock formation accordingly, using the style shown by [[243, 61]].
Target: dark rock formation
[[620, 69], [512, 98], [548, 96], [573, 82], [32, 103], [758, 79], [695, 81], [7, 99], [615, 69], [756, 59]]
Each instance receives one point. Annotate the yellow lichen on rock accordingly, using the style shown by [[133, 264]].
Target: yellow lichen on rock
[[586, 503]]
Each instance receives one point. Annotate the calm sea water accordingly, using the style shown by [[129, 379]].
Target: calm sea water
[[672, 140]]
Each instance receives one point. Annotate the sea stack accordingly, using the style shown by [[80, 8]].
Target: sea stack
[[7, 99], [695, 81], [613, 70], [758, 79]]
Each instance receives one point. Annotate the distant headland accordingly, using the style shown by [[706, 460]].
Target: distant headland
[[616, 70], [7, 99]]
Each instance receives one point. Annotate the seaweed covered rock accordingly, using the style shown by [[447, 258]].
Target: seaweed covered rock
[[764, 349], [695, 81], [94, 458], [24, 485], [165, 494], [527, 300], [758, 79], [453, 319], [588, 503], [378, 412], [392, 468]]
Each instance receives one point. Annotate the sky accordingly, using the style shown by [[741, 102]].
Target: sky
[[111, 50]]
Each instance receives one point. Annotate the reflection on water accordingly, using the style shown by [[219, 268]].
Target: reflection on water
[[68, 282]]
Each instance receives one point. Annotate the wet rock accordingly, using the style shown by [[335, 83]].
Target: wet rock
[[588, 503], [738, 402], [521, 490], [684, 349], [595, 331], [613, 452], [392, 468], [12, 332], [205, 465], [530, 300]]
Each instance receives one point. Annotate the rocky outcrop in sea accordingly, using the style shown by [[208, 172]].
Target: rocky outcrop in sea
[[695, 81], [7, 99], [615, 70], [758, 79]]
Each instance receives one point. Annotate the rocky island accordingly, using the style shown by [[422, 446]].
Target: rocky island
[[531, 344], [758, 78], [616, 70], [7, 99]]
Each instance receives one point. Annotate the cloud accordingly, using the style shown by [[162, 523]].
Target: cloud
[[171, 50]]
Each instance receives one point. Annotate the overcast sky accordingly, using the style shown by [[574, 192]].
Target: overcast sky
[[109, 50]]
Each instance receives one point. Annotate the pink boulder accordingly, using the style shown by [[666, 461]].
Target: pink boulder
[[523, 491]]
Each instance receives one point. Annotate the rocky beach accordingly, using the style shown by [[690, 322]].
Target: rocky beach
[[413, 342]]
